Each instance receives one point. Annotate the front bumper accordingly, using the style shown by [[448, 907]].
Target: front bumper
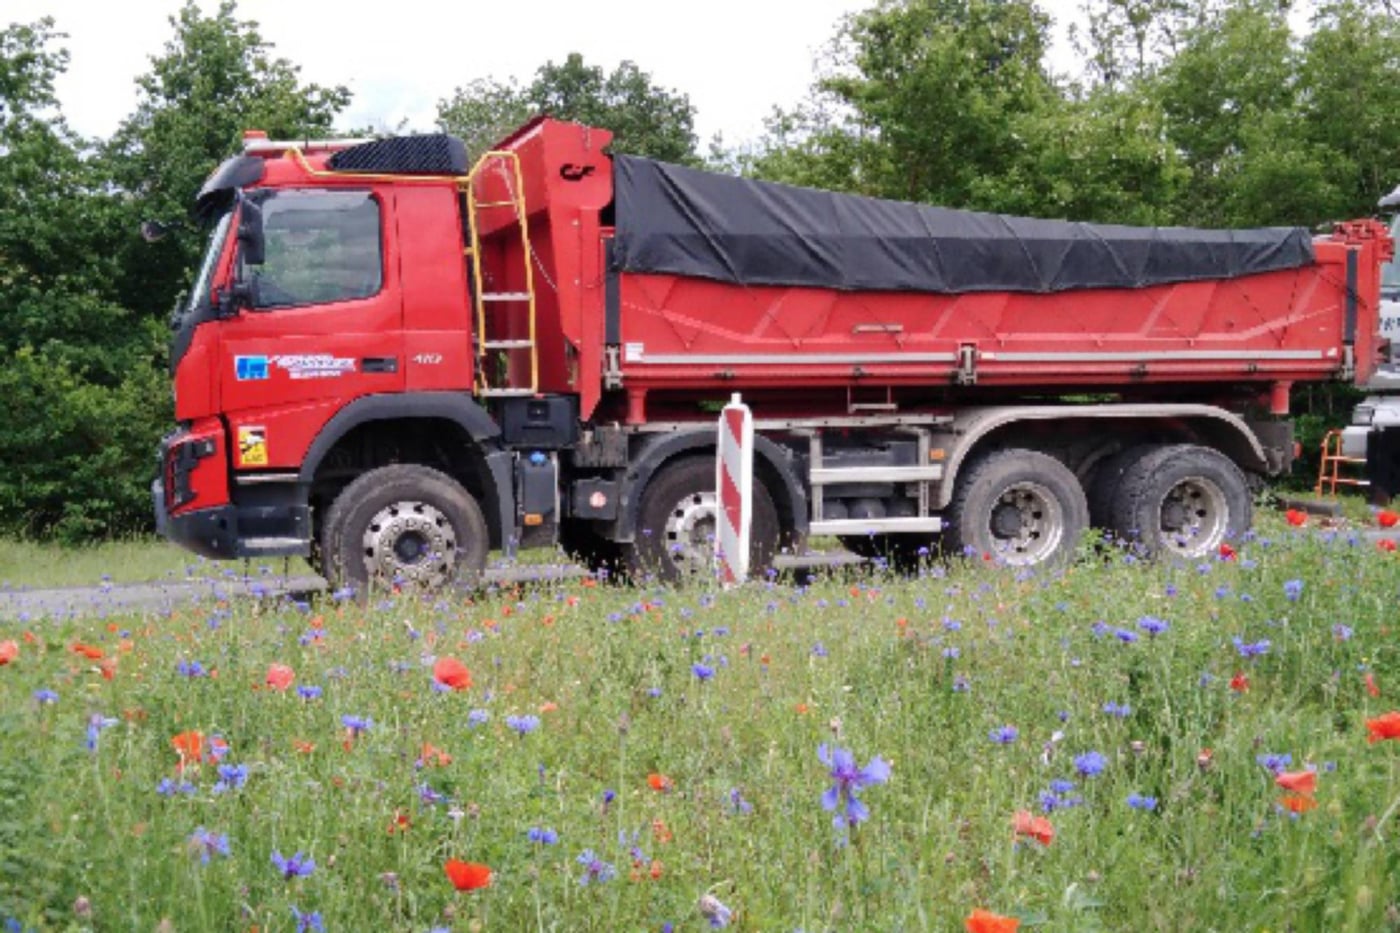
[[207, 532]]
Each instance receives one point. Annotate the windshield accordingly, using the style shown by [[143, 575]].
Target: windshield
[[1390, 272], [200, 293]]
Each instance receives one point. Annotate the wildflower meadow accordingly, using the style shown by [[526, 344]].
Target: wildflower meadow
[[1116, 746]]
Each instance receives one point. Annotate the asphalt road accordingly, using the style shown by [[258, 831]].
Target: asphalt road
[[17, 604]]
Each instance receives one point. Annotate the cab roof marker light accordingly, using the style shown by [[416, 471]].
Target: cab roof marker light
[[264, 145]]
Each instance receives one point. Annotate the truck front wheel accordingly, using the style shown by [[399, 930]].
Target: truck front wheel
[[404, 526], [1182, 501], [1020, 507], [676, 524]]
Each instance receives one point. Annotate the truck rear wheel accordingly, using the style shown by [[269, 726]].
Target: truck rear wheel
[[1021, 507], [676, 524], [1108, 477], [1182, 500], [404, 526]]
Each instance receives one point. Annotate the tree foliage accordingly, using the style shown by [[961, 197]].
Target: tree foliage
[[645, 119]]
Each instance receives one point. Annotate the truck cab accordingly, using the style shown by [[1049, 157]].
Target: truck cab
[[1374, 433]]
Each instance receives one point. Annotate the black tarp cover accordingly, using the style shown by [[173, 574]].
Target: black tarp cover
[[681, 221]]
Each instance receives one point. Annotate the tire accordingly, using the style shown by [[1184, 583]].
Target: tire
[[404, 526], [676, 525], [1108, 476], [1182, 501], [1022, 507]]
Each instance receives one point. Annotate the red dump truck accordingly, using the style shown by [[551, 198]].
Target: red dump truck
[[392, 361]]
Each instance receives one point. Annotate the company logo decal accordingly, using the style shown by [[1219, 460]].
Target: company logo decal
[[252, 446], [250, 368], [295, 365]]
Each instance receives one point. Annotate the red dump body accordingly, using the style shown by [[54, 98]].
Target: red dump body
[[694, 337]]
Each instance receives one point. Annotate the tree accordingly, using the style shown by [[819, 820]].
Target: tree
[[76, 368], [934, 89], [645, 119], [216, 78]]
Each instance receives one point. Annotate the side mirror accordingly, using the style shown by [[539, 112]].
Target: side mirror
[[242, 294], [250, 234]]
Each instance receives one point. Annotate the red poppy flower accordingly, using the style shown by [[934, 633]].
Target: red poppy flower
[[660, 831], [432, 755], [1384, 727], [1037, 827], [1387, 519], [280, 676], [8, 651], [1227, 552], [1239, 683], [1298, 803], [1386, 544], [467, 876], [984, 921], [1296, 517], [452, 673], [659, 782], [91, 652], [1300, 782], [189, 746]]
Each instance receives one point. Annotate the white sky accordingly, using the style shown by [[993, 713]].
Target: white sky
[[736, 59]]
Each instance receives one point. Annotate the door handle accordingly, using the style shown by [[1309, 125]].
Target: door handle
[[379, 364]]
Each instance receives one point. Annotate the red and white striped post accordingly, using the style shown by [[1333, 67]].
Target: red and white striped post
[[734, 488]]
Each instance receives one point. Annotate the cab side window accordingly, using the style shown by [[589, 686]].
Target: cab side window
[[321, 247]]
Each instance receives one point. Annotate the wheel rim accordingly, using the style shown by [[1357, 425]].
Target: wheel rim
[[1027, 524], [410, 542], [689, 533], [1194, 517]]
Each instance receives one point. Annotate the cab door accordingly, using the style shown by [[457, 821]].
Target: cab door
[[320, 323]]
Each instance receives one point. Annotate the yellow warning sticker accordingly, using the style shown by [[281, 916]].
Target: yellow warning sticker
[[252, 447]]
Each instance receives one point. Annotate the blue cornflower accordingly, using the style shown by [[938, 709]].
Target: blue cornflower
[[1061, 787], [296, 866], [1153, 625], [819, 650], [609, 796], [543, 835], [960, 684], [703, 672], [523, 725], [1292, 589], [1139, 802], [713, 910], [45, 695], [1099, 629], [356, 724], [308, 921], [231, 777], [738, 803], [951, 653], [1004, 735], [96, 723], [1126, 635], [309, 691], [477, 717], [429, 796], [1089, 764], [208, 844], [1275, 762], [191, 669], [1251, 649], [847, 782], [595, 870], [168, 788], [1341, 632], [1121, 710]]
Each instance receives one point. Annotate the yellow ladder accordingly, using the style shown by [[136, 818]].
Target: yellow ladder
[[495, 350], [1330, 471]]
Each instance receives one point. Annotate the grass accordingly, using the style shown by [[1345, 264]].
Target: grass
[[723, 700]]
